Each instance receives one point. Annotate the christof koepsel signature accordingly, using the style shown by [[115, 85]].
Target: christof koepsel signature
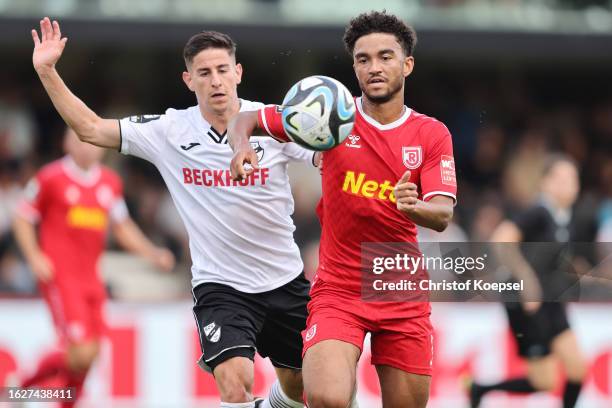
[[429, 285]]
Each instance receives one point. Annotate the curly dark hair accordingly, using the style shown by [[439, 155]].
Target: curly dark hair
[[379, 22], [207, 39]]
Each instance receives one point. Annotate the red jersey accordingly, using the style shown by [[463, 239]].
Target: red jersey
[[73, 208], [358, 204]]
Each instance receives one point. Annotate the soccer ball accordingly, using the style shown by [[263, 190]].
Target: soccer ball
[[318, 113]]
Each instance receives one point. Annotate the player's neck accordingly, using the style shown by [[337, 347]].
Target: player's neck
[[385, 112], [82, 165], [220, 120]]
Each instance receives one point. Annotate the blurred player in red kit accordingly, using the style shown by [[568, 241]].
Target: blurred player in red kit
[[394, 172], [74, 200]]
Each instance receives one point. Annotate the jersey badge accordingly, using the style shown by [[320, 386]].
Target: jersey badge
[[258, 149], [104, 195], [212, 332], [412, 156]]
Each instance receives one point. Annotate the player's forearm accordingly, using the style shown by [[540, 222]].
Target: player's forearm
[[27, 240], [510, 256], [131, 238], [240, 129], [74, 112], [509, 237], [86, 123], [431, 215]]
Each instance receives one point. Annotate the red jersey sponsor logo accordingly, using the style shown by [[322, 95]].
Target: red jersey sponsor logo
[[223, 178], [359, 185], [447, 170], [91, 218], [412, 156]]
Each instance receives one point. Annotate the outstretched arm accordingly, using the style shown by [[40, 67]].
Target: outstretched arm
[[130, 237], [90, 128]]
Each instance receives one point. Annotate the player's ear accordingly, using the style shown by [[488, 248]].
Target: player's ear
[[408, 65], [187, 80], [239, 72]]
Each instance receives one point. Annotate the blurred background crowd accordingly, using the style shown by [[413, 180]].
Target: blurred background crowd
[[513, 80]]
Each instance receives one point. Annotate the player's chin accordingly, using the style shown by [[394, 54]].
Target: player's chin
[[218, 103], [379, 95]]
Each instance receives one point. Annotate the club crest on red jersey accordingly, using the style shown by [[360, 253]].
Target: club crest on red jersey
[[412, 156]]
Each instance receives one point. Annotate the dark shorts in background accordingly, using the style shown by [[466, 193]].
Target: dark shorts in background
[[237, 324], [535, 332]]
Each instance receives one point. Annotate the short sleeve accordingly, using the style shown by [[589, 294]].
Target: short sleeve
[[270, 119], [32, 202], [438, 171], [119, 211], [143, 136], [296, 152]]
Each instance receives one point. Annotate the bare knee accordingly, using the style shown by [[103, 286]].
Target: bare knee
[[545, 383], [329, 374], [82, 356], [234, 380], [327, 398]]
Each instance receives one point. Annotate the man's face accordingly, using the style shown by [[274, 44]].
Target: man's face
[[84, 154], [381, 66], [562, 184], [214, 77]]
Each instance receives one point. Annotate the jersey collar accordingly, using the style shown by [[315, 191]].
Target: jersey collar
[[400, 121], [202, 124], [85, 178], [562, 217]]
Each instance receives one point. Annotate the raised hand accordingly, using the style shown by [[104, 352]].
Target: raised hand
[[49, 46]]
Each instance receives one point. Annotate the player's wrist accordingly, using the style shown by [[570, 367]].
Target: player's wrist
[[241, 144], [44, 70]]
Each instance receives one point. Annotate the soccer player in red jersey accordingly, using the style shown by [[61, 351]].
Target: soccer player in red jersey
[[395, 171], [74, 200]]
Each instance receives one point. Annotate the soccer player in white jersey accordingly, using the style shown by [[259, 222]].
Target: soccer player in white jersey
[[249, 290]]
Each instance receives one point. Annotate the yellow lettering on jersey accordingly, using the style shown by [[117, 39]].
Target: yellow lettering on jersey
[[355, 185], [87, 218], [358, 185]]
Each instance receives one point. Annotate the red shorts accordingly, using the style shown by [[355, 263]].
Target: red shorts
[[77, 311], [401, 332]]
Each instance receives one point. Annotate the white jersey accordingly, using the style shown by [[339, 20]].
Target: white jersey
[[240, 233]]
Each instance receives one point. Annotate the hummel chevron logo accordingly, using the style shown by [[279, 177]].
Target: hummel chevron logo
[[191, 146]]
